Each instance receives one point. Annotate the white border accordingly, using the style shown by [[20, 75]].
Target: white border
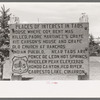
[[50, 89]]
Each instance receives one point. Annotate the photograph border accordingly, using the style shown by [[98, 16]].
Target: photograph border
[[68, 98]]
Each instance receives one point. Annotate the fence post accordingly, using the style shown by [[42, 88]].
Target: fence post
[[16, 77], [83, 77]]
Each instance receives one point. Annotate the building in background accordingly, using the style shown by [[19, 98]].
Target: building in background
[[14, 20], [83, 18]]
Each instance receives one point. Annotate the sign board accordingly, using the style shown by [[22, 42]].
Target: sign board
[[49, 49]]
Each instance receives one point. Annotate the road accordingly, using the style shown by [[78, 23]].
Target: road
[[94, 68]]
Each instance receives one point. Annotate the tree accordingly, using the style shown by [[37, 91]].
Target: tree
[[93, 46], [4, 31], [4, 37]]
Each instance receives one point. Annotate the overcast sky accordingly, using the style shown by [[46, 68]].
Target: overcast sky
[[57, 13]]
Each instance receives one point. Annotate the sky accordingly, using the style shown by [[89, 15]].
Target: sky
[[56, 12]]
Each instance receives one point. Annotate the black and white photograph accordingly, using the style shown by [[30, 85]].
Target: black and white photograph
[[49, 41]]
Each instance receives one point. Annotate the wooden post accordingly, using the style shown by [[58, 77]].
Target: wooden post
[[83, 77], [16, 77], [1, 72]]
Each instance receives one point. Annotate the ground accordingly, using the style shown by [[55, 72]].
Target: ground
[[94, 68]]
